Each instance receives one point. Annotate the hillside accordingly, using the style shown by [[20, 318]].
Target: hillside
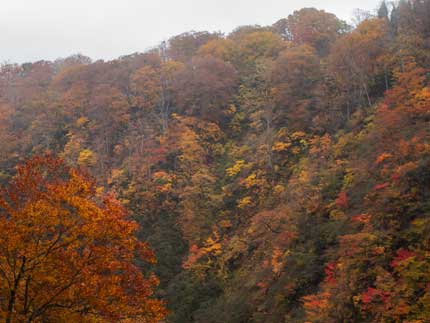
[[279, 173]]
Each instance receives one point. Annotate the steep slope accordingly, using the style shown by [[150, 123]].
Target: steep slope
[[280, 173]]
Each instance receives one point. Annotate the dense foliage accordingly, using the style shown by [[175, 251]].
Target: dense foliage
[[280, 173], [65, 258]]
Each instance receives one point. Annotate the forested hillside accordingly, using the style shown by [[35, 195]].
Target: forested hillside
[[279, 173]]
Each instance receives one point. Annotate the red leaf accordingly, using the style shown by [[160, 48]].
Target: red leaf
[[342, 200]]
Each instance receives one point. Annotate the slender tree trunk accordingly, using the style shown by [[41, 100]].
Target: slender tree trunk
[[369, 101], [12, 299], [386, 79]]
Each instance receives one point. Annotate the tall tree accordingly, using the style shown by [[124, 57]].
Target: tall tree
[[205, 87], [313, 27]]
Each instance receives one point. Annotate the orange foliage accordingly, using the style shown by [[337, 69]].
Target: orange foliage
[[316, 305], [66, 256]]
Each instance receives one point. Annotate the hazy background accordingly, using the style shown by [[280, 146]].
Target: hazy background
[[47, 29]]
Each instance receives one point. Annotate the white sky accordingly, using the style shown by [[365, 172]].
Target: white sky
[[47, 29]]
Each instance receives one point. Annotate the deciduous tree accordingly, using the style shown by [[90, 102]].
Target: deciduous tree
[[67, 255]]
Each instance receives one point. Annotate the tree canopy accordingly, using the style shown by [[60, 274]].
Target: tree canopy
[[279, 174]]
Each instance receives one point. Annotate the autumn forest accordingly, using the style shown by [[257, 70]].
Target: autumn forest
[[274, 174]]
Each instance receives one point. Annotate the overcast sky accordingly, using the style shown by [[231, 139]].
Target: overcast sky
[[47, 29]]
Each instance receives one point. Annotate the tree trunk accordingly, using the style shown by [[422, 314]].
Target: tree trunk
[[12, 299]]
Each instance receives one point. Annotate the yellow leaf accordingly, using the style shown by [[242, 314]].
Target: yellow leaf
[[245, 202], [236, 169], [281, 146]]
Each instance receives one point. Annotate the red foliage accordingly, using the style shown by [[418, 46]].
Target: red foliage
[[195, 254], [373, 294], [342, 200], [361, 218], [395, 177], [330, 271], [402, 255], [380, 187]]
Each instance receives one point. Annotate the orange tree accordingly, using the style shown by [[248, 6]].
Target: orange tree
[[67, 254]]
